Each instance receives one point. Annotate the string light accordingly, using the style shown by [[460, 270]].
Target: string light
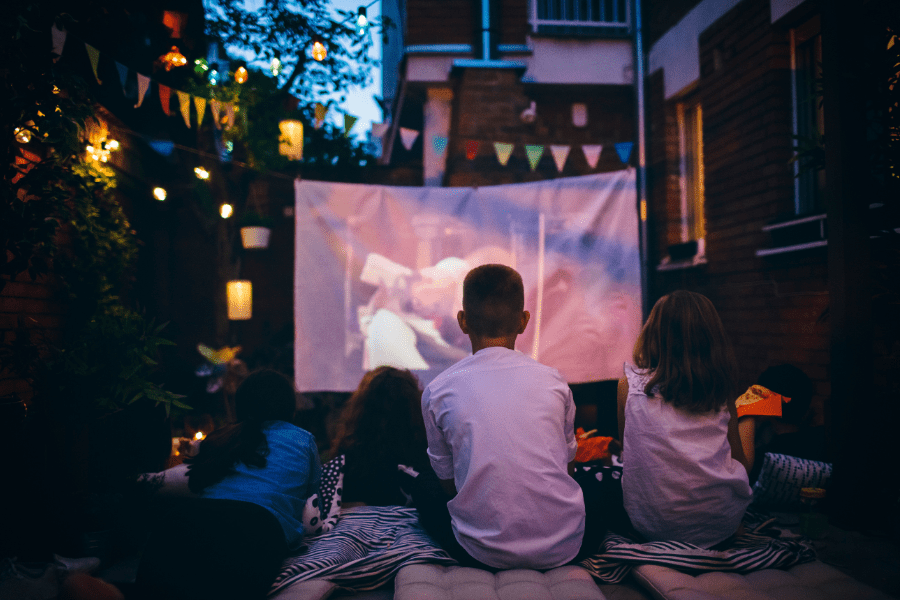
[[159, 193], [240, 75], [276, 66], [201, 66], [201, 173], [226, 210], [362, 20], [213, 77], [318, 50]]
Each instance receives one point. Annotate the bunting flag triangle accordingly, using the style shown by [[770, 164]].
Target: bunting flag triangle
[[321, 110], [349, 122], [165, 95], [534, 153], [123, 75], [215, 109], [200, 106], [379, 129], [184, 103], [59, 41], [472, 149], [439, 143], [143, 86], [164, 147], [504, 151], [560, 154], [229, 115], [408, 137], [624, 150], [592, 154], [94, 55]]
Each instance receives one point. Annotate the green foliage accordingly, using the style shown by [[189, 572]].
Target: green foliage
[[50, 105], [106, 355]]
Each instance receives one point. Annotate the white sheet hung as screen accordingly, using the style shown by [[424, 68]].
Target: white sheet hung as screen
[[378, 274]]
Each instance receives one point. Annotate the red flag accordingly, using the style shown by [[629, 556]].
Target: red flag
[[164, 97]]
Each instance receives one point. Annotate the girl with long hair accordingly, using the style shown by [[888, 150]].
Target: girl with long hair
[[685, 475], [381, 427]]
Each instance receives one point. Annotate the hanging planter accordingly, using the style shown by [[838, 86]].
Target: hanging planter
[[255, 237]]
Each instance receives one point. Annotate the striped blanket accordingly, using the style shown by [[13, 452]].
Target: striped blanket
[[370, 544]]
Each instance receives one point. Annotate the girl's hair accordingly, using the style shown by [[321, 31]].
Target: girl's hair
[[265, 395], [684, 348], [381, 424]]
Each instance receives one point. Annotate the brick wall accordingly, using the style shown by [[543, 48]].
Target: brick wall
[[439, 22], [487, 105], [774, 308]]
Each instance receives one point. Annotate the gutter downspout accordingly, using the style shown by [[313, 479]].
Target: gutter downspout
[[641, 178]]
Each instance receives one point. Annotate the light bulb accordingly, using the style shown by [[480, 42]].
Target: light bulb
[[159, 193], [240, 75], [201, 173], [318, 50], [226, 210]]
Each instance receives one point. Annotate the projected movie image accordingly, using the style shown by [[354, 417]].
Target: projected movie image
[[389, 265]]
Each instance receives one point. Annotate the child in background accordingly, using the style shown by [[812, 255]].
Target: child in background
[[773, 416], [684, 476], [501, 435], [381, 426]]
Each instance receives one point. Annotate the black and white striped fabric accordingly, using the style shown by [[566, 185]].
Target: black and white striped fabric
[[364, 550], [370, 544]]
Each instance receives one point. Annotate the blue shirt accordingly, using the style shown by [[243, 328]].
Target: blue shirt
[[291, 475]]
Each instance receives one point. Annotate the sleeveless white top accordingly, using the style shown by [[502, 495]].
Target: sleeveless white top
[[679, 481]]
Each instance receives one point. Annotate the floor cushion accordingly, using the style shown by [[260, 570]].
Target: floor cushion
[[808, 581], [438, 582]]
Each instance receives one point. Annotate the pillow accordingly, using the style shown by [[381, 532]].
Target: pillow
[[782, 477], [323, 508]]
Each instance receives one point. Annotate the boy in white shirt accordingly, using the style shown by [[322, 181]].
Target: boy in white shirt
[[500, 430]]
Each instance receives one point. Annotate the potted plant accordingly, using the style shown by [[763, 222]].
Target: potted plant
[[255, 230]]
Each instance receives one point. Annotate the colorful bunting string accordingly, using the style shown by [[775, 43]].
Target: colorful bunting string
[[143, 86], [534, 153], [215, 109], [560, 154], [123, 75], [94, 55], [439, 143], [472, 149], [321, 110], [624, 150], [165, 94], [408, 137], [349, 122], [200, 106], [59, 41], [184, 103], [504, 151], [592, 153]]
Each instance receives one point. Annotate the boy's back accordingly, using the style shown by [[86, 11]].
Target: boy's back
[[501, 426]]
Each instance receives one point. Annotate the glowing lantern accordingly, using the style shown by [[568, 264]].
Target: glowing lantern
[[201, 173], [198, 435], [112, 144], [240, 299], [226, 210], [276, 66], [318, 50], [173, 58], [291, 142], [201, 66], [240, 75], [159, 193], [23, 136]]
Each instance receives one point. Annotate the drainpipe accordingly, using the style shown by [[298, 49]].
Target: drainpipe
[[641, 176], [487, 45]]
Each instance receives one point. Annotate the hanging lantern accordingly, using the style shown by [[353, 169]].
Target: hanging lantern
[[159, 193], [291, 142], [318, 50], [240, 75], [173, 58], [240, 299], [23, 136], [201, 173], [276, 66], [226, 210]]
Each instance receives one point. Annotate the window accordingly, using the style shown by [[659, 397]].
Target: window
[[690, 140], [580, 17], [809, 118]]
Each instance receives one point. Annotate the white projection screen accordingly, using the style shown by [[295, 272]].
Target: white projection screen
[[378, 274]]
